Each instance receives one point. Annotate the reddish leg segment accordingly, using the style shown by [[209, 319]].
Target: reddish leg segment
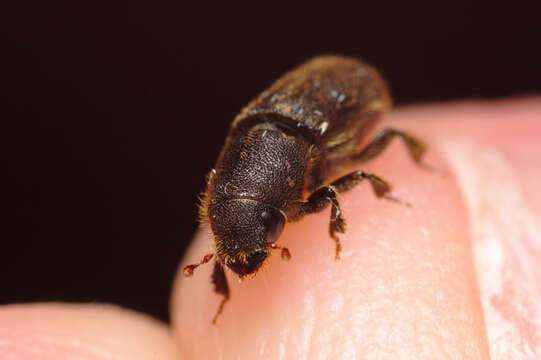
[[188, 270]]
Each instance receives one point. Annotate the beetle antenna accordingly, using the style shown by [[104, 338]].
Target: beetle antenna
[[285, 254], [188, 270]]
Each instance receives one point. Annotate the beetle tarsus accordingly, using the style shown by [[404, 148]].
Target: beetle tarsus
[[220, 310], [397, 200], [220, 287], [317, 202], [380, 187], [416, 148], [349, 181], [326, 195]]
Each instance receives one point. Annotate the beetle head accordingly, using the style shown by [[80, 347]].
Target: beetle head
[[243, 230]]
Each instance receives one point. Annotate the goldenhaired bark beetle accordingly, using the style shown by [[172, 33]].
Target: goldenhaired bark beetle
[[290, 141]]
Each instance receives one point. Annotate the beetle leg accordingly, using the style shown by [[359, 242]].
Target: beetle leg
[[349, 181], [317, 202], [326, 195], [415, 147], [220, 287], [380, 187]]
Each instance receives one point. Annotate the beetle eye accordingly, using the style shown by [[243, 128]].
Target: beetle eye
[[274, 222]]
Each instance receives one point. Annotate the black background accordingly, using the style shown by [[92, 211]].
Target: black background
[[116, 111]]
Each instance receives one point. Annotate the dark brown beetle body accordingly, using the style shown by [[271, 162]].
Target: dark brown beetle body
[[282, 150]]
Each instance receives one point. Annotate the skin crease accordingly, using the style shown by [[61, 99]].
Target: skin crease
[[453, 277]]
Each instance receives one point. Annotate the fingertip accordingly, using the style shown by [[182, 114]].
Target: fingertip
[[404, 285], [68, 331]]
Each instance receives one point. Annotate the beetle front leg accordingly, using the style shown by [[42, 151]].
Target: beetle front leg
[[220, 287], [317, 202], [326, 195]]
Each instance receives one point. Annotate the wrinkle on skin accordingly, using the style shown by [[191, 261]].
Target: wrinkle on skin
[[495, 149], [507, 250]]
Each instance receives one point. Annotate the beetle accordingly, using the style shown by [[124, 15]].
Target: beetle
[[282, 152]]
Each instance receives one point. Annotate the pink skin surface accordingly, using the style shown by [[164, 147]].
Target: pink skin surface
[[455, 276]]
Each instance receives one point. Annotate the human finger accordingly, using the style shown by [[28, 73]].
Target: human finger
[[405, 286], [52, 331]]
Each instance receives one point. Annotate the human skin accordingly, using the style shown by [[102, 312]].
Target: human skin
[[454, 276]]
